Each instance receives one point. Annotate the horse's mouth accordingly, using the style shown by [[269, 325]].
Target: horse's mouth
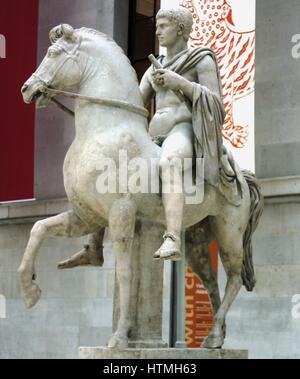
[[36, 96], [40, 98], [33, 96]]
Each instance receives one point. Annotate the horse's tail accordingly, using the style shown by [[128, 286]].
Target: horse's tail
[[256, 209]]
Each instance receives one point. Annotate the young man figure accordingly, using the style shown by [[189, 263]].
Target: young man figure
[[183, 127]]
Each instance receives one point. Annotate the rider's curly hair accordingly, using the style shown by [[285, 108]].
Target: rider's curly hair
[[181, 16]]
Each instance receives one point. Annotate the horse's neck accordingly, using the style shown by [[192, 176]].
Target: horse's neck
[[111, 76], [107, 76]]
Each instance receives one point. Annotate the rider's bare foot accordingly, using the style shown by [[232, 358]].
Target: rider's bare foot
[[85, 257], [170, 249]]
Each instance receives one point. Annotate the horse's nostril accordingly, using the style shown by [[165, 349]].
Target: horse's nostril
[[24, 88]]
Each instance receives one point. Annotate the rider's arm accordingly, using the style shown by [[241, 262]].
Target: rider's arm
[[207, 76], [146, 88]]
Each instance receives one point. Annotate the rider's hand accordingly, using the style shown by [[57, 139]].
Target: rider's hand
[[168, 79]]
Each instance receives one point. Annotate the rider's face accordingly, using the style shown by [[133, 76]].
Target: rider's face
[[167, 32]]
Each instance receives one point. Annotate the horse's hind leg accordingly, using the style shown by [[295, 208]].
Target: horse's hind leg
[[121, 227], [199, 260], [63, 225], [231, 251], [90, 255]]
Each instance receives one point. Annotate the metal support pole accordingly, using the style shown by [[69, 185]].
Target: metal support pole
[[177, 303]]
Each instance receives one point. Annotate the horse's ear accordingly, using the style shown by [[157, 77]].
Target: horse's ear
[[68, 32], [62, 30], [55, 34]]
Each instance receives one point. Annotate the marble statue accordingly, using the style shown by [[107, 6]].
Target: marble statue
[[110, 116]]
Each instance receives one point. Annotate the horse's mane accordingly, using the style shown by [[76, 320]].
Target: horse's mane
[[92, 32], [89, 32]]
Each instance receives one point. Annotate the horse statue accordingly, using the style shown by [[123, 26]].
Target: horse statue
[[109, 117]]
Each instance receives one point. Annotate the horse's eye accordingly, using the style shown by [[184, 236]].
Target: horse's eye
[[52, 53]]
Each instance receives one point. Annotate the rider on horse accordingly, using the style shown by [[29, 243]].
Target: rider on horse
[[187, 124]]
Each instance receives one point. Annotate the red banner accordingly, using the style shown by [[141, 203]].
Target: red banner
[[199, 314], [19, 30]]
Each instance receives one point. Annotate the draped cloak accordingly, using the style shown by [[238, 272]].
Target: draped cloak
[[208, 112]]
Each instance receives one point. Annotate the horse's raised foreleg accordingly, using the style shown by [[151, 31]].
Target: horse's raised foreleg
[[63, 225], [90, 255], [121, 227], [231, 252]]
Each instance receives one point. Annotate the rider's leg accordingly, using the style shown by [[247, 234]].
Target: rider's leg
[[177, 146]]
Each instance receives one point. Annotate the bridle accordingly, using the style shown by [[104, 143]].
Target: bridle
[[121, 104]]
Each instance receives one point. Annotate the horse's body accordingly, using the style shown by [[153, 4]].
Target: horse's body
[[96, 65]]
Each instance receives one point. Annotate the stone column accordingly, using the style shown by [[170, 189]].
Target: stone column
[[147, 289]]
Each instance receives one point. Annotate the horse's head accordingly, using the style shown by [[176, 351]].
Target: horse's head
[[59, 69]]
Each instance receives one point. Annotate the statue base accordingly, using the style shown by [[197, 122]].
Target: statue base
[[163, 353], [147, 344]]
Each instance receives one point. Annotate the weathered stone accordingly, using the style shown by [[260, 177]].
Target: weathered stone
[[105, 353], [108, 94]]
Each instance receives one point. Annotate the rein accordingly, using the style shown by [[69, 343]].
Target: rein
[[121, 104]]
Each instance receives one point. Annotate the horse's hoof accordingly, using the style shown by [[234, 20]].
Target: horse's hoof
[[118, 342], [31, 295], [84, 258], [213, 342]]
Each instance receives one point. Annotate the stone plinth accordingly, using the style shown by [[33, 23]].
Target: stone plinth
[[146, 303], [105, 353]]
